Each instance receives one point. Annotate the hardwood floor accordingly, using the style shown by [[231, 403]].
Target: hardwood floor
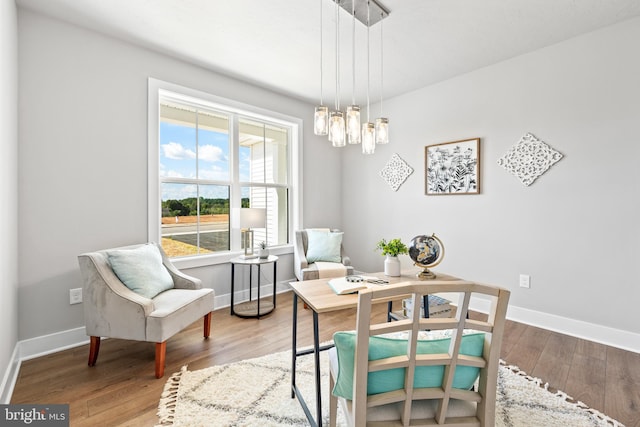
[[121, 390]]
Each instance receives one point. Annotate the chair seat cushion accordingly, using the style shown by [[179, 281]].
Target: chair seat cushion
[[141, 270], [393, 379], [176, 309]]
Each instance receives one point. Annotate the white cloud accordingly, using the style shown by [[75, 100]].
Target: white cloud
[[211, 153], [173, 174], [215, 173], [176, 151]]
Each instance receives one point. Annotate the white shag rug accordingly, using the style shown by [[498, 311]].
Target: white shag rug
[[257, 392]]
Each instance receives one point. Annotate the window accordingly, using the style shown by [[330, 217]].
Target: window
[[208, 158]]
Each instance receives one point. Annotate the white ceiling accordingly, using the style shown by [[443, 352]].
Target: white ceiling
[[276, 43]]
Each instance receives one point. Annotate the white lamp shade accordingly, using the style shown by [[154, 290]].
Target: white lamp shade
[[253, 217]]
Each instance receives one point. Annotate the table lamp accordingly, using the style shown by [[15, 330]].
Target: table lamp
[[250, 218]]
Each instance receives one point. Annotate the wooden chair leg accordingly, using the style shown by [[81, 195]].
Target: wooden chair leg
[[94, 348], [333, 403], [207, 325], [161, 351]]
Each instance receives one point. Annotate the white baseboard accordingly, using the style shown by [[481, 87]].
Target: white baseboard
[[619, 338], [10, 378], [52, 343]]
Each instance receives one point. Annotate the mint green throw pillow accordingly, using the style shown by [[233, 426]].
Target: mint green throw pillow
[[393, 379], [141, 270], [323, 246]]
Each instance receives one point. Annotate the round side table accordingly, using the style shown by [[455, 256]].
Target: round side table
[[254, 307]]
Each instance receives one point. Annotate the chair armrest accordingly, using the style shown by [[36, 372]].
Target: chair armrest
[[299, 257], [111, 309], [346, 260], [181, 280]]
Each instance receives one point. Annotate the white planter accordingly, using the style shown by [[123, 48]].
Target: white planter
[[263, 253], [392, 266]]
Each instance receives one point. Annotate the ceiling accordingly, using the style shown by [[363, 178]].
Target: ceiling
[[276, 43]]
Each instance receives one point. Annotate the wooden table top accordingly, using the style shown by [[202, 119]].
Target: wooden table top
[[319, 296]]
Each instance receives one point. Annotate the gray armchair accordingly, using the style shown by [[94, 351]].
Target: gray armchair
[[113, 310], [306, 270]]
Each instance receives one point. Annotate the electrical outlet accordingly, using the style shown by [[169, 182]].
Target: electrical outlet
[[525, 281], [75, 296]]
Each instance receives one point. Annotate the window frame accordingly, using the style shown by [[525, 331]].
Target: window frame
[[157, 88]]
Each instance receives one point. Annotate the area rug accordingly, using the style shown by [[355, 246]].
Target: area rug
[[257, 392]]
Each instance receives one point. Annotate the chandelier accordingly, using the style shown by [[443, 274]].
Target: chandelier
[[345, 126]]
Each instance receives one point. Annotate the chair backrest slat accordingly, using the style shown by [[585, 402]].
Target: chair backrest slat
[[493, 327]]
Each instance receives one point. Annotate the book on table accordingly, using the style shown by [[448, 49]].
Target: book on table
[[352, 284]]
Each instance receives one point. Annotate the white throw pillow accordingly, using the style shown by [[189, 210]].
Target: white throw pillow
[[141, 270]]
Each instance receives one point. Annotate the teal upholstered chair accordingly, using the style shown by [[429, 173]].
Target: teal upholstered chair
[[135, 293]]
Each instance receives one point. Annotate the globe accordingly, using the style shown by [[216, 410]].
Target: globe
[[426, 252]]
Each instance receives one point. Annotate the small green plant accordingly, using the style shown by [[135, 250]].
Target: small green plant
[[263, 245], [393, 247]]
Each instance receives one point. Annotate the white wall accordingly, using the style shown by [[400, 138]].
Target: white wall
[[83, 157], [8, 188], [575, 230]]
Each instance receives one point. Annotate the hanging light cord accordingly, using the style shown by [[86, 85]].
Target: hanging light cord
[[368, 72], [321, 89], [353, 54], [337, 55], [381, 62]]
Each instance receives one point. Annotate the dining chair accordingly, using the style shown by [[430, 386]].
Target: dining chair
[[419, 371]]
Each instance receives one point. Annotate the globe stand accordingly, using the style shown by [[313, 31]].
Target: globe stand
[[425, 274]]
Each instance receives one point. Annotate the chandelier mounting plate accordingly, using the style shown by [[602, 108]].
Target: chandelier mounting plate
[[378, 11]]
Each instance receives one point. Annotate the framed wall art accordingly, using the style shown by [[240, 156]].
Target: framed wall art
[[452, 167]]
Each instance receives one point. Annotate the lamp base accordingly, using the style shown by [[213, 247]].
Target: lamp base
[[248, 256]]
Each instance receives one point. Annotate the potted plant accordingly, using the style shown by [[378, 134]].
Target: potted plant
[[264, 251], [392, 249]]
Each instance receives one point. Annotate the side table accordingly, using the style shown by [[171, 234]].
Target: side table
[[253, 308]]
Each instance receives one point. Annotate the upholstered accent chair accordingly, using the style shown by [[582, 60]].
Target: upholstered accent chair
[[398, 374], [136, 293], [319, 253]]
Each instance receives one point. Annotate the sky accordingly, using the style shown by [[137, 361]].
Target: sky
[[178, 160]]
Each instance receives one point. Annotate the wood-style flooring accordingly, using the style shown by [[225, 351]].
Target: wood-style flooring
[[121, 390]]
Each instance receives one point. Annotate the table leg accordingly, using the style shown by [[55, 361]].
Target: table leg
[[294, 349], [316, 353], [232, 282], [258, 300], [274, 285], [250, 280]]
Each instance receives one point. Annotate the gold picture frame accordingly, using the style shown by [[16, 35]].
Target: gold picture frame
[[452, 167]]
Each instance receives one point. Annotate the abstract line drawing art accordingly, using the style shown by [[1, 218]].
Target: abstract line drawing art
[[395, 172], [529, 159], [453, 167]]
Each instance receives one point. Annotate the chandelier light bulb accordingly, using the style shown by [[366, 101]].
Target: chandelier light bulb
[[337, 129], [368, 138], [382, 130], [321, 120], [353, 124]]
